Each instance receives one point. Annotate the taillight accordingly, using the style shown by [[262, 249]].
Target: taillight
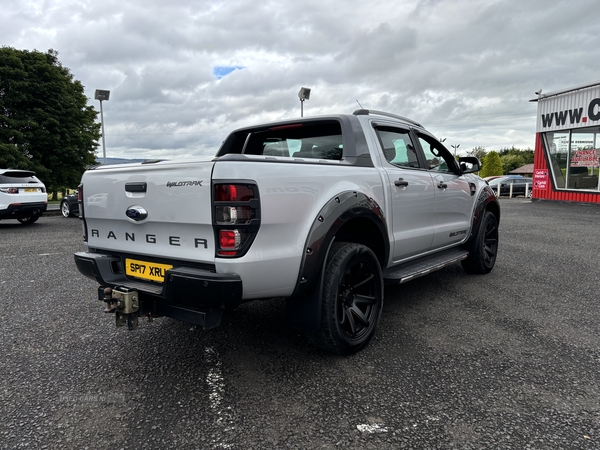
[[233, 214], [81, 215], [236, 217], [9, 190], [230, 242], [233, 193]]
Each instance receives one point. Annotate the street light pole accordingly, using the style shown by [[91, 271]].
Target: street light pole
[[102, 95], [455, 147], [102, 122], [304, 94]]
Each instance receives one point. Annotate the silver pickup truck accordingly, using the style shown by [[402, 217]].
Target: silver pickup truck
[[322, 211]]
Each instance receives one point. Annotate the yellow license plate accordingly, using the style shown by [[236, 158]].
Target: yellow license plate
[[31, 189], [146, 270]]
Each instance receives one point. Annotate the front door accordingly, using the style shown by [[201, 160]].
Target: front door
[[453, 198]]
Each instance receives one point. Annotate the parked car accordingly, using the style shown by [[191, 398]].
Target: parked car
[[490, 178], [520, 186], [69, 206], [22, 196]]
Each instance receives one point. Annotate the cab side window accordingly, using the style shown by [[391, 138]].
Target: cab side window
[[398, 148], [437, 158]]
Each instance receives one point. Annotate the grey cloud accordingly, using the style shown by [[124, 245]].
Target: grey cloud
[[466, 68]]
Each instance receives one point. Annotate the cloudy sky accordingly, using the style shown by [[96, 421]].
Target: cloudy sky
[[184, 73]]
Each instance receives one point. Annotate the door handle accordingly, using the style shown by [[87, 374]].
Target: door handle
[[401, 182], [138, 186], [442, 185]]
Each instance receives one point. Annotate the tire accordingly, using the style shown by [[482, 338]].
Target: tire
[[352, 299], [484, 247], [28, 220], [65, 209]]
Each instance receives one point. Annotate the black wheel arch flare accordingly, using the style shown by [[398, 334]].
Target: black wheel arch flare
[[485, 201], [346, 208]]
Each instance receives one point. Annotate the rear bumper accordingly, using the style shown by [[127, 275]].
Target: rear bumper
[[189, 294], [21, 210]]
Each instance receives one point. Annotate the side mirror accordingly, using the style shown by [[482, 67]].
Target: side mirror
[[469, 164]]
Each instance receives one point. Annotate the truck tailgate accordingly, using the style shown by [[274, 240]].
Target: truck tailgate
[[162, 209]]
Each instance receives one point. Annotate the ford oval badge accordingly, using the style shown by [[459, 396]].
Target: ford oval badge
[[136, 213]]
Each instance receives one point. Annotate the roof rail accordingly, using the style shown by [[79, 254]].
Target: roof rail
[[366, 112]]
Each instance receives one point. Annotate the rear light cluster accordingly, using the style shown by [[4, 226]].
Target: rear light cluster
[[80, 202], [13, 190], [236, 216]]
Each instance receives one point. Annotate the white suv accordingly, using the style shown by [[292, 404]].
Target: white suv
[[22, 196]]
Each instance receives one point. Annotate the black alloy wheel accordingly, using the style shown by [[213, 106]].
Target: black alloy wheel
[[484, 247], [352, 299]]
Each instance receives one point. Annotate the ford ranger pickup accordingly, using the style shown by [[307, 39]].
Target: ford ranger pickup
[[322, 211]]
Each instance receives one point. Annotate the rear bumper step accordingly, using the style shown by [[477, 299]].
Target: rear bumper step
[[205, 319], [189, 294], [414, 269]]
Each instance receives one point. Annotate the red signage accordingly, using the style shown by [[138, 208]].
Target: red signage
[[540, 179]]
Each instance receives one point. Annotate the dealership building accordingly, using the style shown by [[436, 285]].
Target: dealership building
[[567, 145]]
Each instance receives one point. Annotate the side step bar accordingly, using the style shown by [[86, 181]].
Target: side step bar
[[413, 269]]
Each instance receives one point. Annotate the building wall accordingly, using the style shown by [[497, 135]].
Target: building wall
[[567, 146]]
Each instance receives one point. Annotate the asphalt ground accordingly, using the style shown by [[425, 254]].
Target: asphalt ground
[[508, 360]]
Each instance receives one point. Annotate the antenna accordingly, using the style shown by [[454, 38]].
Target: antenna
[[361, 107]]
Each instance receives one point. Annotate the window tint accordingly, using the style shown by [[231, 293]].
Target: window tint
[[437, 157], [16, 177], [319, 147], [398, 148], [313, 141]]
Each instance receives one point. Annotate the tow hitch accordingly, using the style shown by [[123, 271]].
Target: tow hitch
[[125, 303]]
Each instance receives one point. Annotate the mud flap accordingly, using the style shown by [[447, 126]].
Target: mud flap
[[304, 313]]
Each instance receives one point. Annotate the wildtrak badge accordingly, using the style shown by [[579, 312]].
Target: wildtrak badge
[[184, 183]]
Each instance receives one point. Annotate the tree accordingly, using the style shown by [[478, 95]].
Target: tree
[[527, 154], [491, 165], [513, 158], [45, 123], [511, 162], [479, 152]]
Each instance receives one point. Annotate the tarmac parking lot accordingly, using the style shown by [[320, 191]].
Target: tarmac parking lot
[[508, 360]]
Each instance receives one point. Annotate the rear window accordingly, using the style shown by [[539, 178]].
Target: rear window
[[320, 140], [18, 177]]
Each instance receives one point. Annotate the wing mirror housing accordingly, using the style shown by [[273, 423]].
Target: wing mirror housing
[[469, 164]]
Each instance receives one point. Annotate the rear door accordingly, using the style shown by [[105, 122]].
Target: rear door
[[520, 185], [411, 193]]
